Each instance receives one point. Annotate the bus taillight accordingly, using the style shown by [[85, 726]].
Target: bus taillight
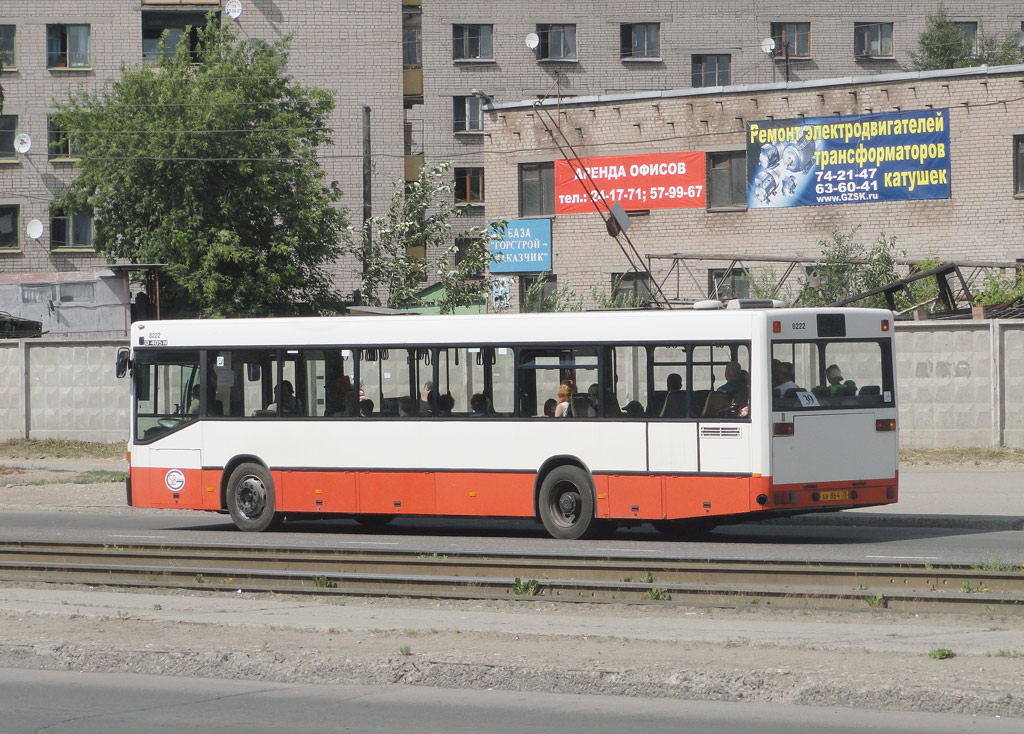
[[885, 324], [783, 429], [885, 424]]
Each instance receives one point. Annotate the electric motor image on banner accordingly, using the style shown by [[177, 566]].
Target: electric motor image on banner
[[891, 156]]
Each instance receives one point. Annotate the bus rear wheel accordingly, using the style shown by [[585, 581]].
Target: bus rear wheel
[[250, 499], [566, 503]]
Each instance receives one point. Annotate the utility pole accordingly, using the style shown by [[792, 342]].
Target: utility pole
[[367, 185]]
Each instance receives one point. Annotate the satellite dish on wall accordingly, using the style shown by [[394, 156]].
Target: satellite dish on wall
[[233, 8], [768, 45], [34, 229], [23, 143], [532, 41]]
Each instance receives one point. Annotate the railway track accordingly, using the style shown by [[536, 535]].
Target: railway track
[[539, 576]]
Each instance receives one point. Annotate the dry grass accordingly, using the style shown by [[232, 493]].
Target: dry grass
[[962, 455], [53, 448]]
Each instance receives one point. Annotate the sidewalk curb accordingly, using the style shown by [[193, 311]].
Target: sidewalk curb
[[867, 519]]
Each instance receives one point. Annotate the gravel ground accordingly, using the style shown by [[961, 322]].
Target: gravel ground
[[875, 659]]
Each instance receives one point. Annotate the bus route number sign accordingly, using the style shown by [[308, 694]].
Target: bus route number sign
[[808, 399]]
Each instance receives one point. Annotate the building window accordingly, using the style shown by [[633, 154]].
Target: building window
[[180, 27], [38, 293], [67, 46], [557, 41], [727, 180], [60, 145], [728, 283], [70, 231], [8, 129], [471, 41], [538, 293], [8, 226], [466, 114], [469, 186], [1018, 172], [412, 38], [77, 292], [7, 47], [969, 30], [631, 289], [640, 40], [793, 39], [872, 39], [536, 189], [710, 70]]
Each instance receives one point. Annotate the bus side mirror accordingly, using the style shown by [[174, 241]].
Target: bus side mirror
[[123, 362]]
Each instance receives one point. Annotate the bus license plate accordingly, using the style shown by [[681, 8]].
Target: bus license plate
[[832, 496]]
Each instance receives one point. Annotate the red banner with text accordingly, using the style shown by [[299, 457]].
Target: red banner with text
[[637, 182]]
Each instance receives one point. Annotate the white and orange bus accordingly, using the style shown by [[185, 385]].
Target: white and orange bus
[[683, 418]]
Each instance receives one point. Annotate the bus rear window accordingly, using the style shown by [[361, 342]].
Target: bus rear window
[[825, 374]]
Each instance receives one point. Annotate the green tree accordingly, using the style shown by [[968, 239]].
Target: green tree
[[848, 268], [539, 298], [207, 163], [412, 240], [944, 45]]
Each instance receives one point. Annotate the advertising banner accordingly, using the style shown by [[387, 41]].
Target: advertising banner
[[637, 182], [525, 248], [889, 156]]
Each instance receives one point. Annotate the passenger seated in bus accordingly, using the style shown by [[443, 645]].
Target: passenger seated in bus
[[426, 402], [836, 385], [193, 407], [634, 409], [339, 391], [478, 405], [445, 404], [563, 409], [365, 407], [787, 374], [733, 380], [675, 398], [290, 405], [407, 407]]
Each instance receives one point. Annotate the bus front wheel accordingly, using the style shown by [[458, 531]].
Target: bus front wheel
[[250, 499], [566, 503]]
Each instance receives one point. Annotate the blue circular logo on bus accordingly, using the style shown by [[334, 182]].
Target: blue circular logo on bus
[[174, 480]]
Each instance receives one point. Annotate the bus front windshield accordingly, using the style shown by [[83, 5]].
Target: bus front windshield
[[166, 392], [832, 374]]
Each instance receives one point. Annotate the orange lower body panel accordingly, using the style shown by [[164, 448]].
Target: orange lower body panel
[[498, 494]]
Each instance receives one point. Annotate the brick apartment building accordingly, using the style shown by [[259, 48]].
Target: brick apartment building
[[428, 69]]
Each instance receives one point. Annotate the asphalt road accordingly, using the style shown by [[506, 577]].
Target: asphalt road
[[94, 703], [799, 541]]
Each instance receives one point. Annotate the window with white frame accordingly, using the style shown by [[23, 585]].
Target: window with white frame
[[467, 115], [70, 230], [536, 189], [710, 70], [67, 46], [727, 179], [640, 40], [9, 226], [872, 39], [557, 41], [8, 130], [969, 30], [7, 57], [472, 41], [792, 39], [59, 143], [469, 185]]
